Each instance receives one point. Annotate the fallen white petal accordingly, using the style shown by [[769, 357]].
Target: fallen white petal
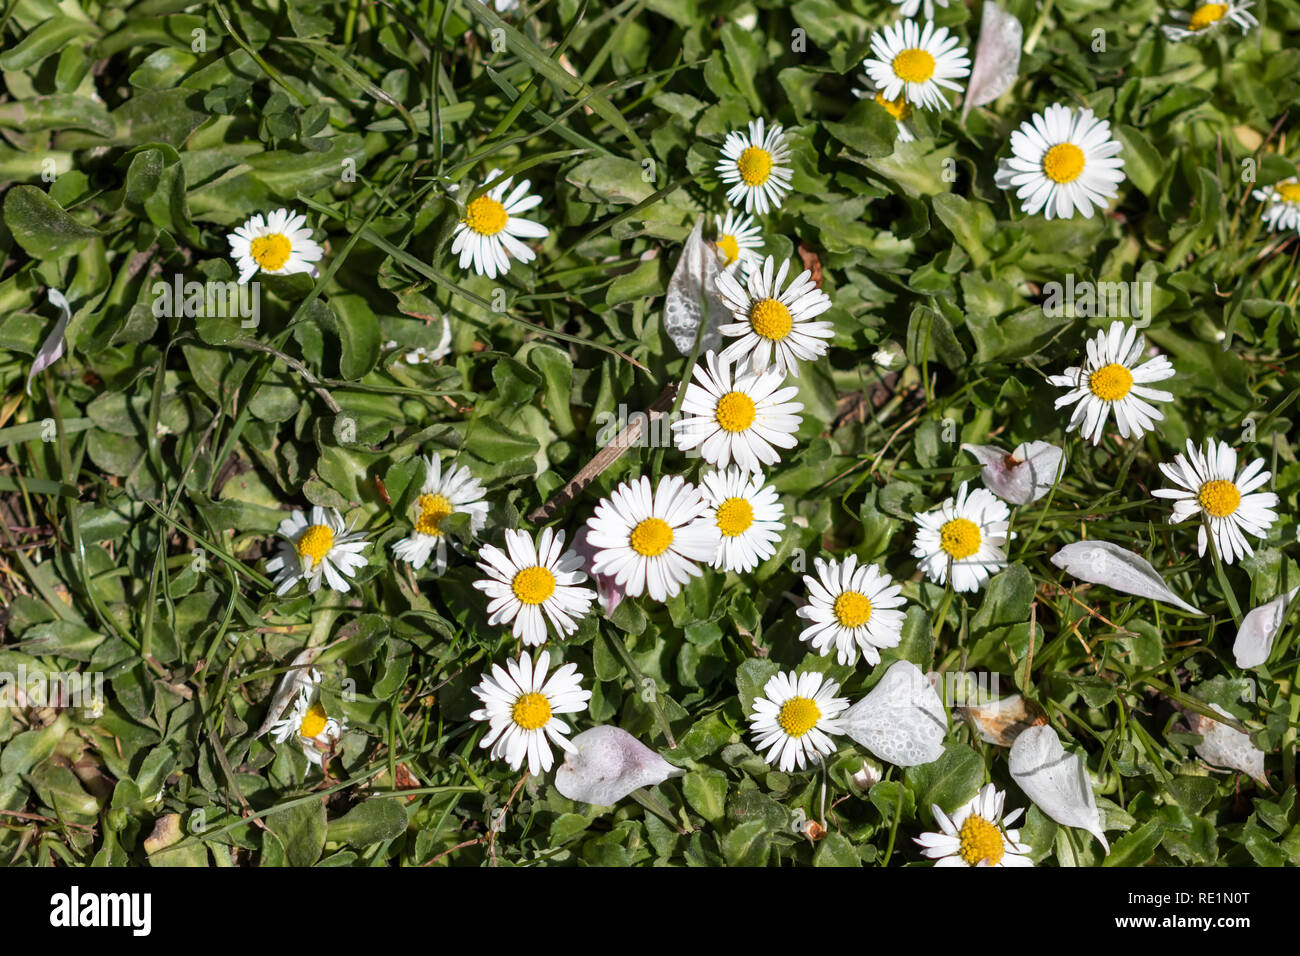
[[1056, 781], [997, 58], [901, 720], [692, 279], [1022, 476], [1222, 746], [1100, 562], [51, 349], [608, 764], [296, 679], [1259, 628]]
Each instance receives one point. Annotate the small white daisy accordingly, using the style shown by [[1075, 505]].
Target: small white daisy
[[757, 167], [317, 732], [738, 238], [774, 326], [1209, 18], [898, 108], [487, 236], [281, 244], [795, 719], [908, 8], [1281, 204], [851, 608], [1110, 380], [1062, 160], [321, 547], [520, 706], [741, 419], [1209, 485], [650, 543], [443, 495], [526, 581], [976, 834], [748, 515], [966, 533], [916, 63]]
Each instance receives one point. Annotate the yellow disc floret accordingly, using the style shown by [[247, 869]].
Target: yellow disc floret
[[735, 515], [771, 319], [1063, 163], [798, 715], [485, 216], [434, 509], [271, 251], [531, 711], [1111, 382], [1206, 14], [314, 721], [981, 841], [315, 542], [729, 248], [852, 609], [651, 537], [735, 412], [960, 538], [1289, 191], [1219, 498], [533, 585], [914, 65], [754, 166], [898, 109]]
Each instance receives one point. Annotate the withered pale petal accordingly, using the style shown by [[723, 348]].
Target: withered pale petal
[[1100, 562], [1222, 746], [607, 764], [997, 57], [1000, 722], [1022, 476], [1056, 781], [296, 679], [51, 349], [1259, 628], [901, 720], [693, 279]]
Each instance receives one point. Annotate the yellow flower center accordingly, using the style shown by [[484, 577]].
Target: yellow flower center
[[914, 66], [735, 515], [960, 538], [485, 216], [1289, 191], [798, 715], [770, 319], [1206, 14], [433, 510], [729, 248], [1063, 163], [735, 412], [852, 609], [981, 840], [315, 542], [533, 585], [314, 721], [531, 711], [754, 165], [651, 537], [898, 108], [1219, 498], [271, 252], [1111, 382]]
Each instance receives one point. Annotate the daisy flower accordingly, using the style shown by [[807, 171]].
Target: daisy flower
[[520, 704], [976, 834], [317, 732], [774, 326], [908, 8], [748, 516], [898, 108], [442, 496], [757, 167], [852, 608], [738, 237], [527, 581], [795, 718], [966, 533], [281, 244], [1111, 380], [1282, 204], [916, 64], [1062, 160], [1209, 18], [1210, 485], [319, 548], [741, 418], [488, 234], [650, 543]]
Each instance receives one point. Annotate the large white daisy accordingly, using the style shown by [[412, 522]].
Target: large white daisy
[[916, 63], [851, 608], [487, 236], [976, 834], [756, 168], [795, 719], [966, 534], [520, 706], [443, 494], [748, 515], [280, 244], [1281, 204], [1209, 18], [742, 418], [650, 543], [322, 547], [1111, 380], [738, 240], [1062, 160], [532, 583], [774, 325], [1209, 485]]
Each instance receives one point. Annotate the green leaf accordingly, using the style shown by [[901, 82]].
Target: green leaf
[[41, 226], [836, 850], [746, 845], [373, 821], [301, 831]]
